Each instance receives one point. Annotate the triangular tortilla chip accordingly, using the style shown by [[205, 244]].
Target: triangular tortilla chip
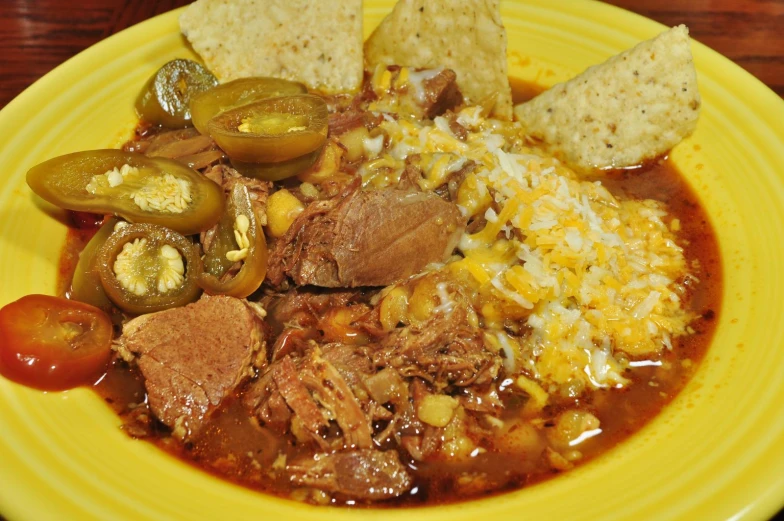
[[465, 36], [633, 107], [317, 43]]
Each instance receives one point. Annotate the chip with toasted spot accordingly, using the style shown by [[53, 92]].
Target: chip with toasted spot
[[317, 43], [465, 36], [633, 107]]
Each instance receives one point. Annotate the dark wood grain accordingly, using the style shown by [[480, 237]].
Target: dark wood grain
[[749, 32], [38, 35]]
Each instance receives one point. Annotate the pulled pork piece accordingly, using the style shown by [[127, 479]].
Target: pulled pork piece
[[227, 177], [186, 146], [335, 396], [362, 474], [193, 357], [367, 238], [315, 393], [444, 351], [297, 397]]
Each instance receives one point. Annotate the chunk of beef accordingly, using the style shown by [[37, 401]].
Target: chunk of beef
[[369, 238], [193, 357], [441, 93], [350, 112], [444, 351], [362, 474], [416, 93], [293, 341], [457, 129]]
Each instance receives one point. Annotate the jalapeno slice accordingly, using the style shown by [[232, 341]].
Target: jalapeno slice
[[239, 238], [206, 105], [86, 283], [278, 171], [272, 130], [146, 268], [165, 98], [131, 185]]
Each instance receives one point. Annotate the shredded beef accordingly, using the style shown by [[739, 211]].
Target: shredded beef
[[445, 350], [296, 395], [186, 146], [316, 393], [332, 392]]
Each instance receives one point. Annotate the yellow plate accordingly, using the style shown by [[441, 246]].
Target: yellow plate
[[716, 453]]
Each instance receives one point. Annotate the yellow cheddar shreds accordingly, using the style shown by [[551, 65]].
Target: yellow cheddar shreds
[[590, 275]]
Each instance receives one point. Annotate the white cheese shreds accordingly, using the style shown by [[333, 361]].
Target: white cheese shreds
[[591, 275]]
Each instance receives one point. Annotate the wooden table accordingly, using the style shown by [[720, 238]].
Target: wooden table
[[37, 35]]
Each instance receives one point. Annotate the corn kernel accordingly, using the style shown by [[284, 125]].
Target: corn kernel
[[538, 396], [327, 165], [402, 78], [381, 80], [282, 209], [437, 409], [354, 141], [394, 308], [422, 302]]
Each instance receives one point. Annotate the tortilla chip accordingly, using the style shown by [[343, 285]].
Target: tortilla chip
[[317, 43], [465, 36], [633, 107]]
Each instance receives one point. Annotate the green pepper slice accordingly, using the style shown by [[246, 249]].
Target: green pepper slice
[[86, 283], [206, 105], [239, 237], [272, 130], [146, 268], [278, 171], [131, 185], [165, 98]]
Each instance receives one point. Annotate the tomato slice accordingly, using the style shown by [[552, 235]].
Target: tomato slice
[[272, 130], [208, 104], [52, 343]]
